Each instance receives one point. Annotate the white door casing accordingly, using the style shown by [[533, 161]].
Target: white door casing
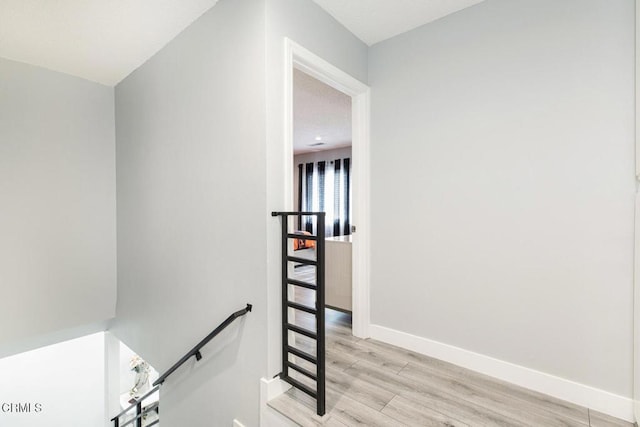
[[300, 58]]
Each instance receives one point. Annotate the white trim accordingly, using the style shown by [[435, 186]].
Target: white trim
[[637, 90], [304, 60], [288, 125], [580, 394], [636, 267], [269, 390], [361, 213], [636, 309], [272, 388]]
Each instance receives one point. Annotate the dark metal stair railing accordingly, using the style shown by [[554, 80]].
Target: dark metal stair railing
[[195, 351], [318, 311], [141, 410]]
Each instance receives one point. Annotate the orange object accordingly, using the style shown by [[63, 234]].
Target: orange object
[[303, 243]]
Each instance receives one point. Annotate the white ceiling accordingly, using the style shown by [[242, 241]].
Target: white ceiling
[[319, 111], [99, 40], [105, 40], [377, 20]]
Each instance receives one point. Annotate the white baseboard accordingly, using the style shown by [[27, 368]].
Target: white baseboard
[[580, 394]]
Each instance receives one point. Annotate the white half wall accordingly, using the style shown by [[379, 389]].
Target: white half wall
[[57, 385], [58, 218], [503, 186]]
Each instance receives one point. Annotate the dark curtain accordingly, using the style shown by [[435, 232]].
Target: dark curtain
[[337, 175], [347, 192], [335, 199], [309, 204], [321, 167]]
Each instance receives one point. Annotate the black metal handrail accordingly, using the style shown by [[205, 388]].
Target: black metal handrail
[[277, 213], [134, 404], [195, 351], [140, 415]]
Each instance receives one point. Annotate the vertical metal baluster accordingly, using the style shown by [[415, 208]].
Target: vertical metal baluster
[[285, 296], [320, 326], [139, 413]]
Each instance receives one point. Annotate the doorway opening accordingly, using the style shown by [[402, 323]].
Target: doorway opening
[[322, 165], [305, 65], [344, 200]]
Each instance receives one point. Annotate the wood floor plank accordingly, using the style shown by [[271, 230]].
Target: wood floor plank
[[296, 411], [598, 419], [333, 422], [339, 361], [338, 389], [411, 356], [525, 412], [560, 407], [339, 386], [362, 391], [433, 398], [340, 332], [303, 398], [362, 353], [412, 414], [310, 404], [305, 344], [353, 413]]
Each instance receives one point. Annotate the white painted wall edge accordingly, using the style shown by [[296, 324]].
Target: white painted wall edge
[[51, 338], [580, 394], [270, 389], [636, 267], [636, 309], [637, 89]]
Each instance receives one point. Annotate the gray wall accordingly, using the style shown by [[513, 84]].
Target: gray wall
[[503, 183], [57, 192], [191, 213], [307, 24]]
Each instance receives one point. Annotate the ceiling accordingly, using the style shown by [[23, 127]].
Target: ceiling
[[99, 40], [373, 21], [105, 40], [319, 111]]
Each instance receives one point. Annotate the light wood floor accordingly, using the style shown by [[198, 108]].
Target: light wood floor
[[370, 383]]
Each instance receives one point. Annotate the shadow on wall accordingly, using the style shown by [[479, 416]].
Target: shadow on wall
[[218, 356]]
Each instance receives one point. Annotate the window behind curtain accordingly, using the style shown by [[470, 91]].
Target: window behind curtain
[[309, 196], [326, 187]]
